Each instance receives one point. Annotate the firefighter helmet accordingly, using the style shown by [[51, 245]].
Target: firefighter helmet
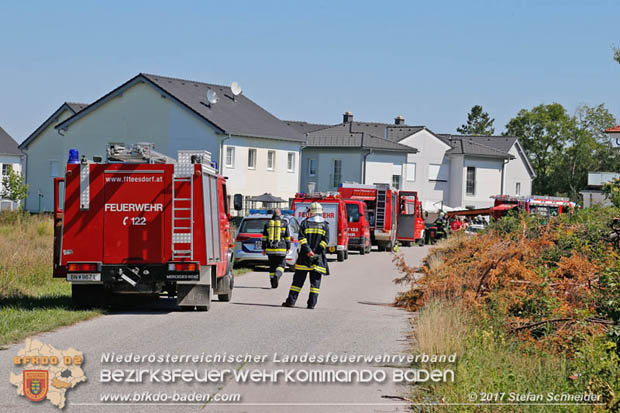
[[315, 208]]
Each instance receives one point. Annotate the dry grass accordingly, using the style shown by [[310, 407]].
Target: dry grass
[[31, 301], [440, 328]]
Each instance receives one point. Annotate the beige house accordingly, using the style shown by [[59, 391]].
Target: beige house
[[254, 149]]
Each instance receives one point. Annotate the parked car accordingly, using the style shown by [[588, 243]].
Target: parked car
[[248, 244]]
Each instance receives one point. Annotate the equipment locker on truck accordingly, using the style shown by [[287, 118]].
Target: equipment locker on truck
[[143, 223]]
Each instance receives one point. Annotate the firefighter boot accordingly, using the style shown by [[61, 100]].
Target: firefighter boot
[[273, 278]]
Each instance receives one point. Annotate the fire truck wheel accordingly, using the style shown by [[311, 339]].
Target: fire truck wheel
[[363, 249], [231, 282], [346, 255], [340, 256], [421, 242]]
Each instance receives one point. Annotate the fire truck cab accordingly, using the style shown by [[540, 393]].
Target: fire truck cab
[[334, 212], [142, 222], [410, 218], [358, 226], [381, 200]]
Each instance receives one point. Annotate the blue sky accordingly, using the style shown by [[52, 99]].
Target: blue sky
[[430, 61]]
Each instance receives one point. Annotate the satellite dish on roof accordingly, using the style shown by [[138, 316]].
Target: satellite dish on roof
[[212, 96], [235, 88]]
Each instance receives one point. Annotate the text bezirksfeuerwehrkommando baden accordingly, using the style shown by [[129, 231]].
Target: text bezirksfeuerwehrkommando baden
[[304, 358]]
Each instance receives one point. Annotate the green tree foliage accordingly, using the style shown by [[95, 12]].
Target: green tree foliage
[[478, 123], [543, 131], [564, 148], [612, 191], [617, 54], [13, 186]]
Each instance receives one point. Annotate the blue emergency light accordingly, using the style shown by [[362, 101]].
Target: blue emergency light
[[270, 212], [74, 156]]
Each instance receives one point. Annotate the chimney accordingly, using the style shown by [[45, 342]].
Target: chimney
[[347, 117], [399, 120]]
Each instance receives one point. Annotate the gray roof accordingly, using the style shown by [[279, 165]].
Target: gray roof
[[76, 107], [8, 146], [231, 115], [71, 106], [390, 131], [343, 136], [487, 146], [305, 127]]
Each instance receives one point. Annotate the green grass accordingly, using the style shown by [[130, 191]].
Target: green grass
[[490, 362], [31, 301]]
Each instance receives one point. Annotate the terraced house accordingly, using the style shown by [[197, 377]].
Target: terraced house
[[254, 149], [450, 171]]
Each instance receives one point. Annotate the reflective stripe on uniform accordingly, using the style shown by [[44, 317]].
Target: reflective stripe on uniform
[[302, 241], [280, 269], [295, 288], [315, 231], [323, 244], [320, 269], [275, 250], [316, 268], [314, 290]]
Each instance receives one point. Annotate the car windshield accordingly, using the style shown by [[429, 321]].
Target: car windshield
[[252, 226], [353, 212]]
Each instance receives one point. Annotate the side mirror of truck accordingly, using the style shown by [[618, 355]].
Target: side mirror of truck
[[238, 202]]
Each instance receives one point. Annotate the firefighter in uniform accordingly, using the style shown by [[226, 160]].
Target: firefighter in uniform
[[313, 237], [276, 243]]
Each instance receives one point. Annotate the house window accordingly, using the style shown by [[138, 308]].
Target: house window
[[6, 169], [518, 188], [311, 167], [396, 181], [251, 158], [54, 169], [291, 162], [470, 187], [337, 173], [410, 171], [230, 157], [271, 160]]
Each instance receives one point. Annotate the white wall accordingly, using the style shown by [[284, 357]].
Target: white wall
[[455, 198], [380, 166], [250, 182], [488, 181], [351, 167], [516, 171], [431, 150], [48, 147]]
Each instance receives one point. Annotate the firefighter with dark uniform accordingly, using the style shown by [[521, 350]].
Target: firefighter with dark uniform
[[276, 243], [313, 237]]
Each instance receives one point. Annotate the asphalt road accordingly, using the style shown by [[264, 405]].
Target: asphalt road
[[353, 317]]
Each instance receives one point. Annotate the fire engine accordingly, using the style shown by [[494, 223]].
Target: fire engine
[[542, 205], [334, 212], [410, 219], [382, 203], [142, 222]]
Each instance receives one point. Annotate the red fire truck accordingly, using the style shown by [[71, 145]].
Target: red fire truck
[[542, 205], [410, 219], [382, 203], [334, 212], [142, 222], [358, 226]]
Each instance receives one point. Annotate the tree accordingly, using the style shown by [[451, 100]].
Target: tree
[[13, 186], [543, 133], [478, 123], [617, 54], [612, 191]]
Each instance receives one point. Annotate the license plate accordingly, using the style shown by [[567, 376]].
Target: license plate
[[84, 277]]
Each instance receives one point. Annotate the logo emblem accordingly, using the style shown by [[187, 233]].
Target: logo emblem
[[36, 384]]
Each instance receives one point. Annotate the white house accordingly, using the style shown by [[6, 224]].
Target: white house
[[253, 148], [341, 153], [46, 158], [11, 159], [450, 171]]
